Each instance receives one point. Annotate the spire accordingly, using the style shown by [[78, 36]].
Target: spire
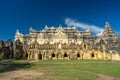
[[32, 30], [46, 27], [18, 33], [52, 27], [88, 30], [74, 27], [107, 25], [60, 26], [59, 29], [108, 32]]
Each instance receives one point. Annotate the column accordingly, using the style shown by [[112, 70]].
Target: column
[[28, 56]]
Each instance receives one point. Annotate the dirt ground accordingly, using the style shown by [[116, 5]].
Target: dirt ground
[[19, 75], [106, 77], [30, 74]]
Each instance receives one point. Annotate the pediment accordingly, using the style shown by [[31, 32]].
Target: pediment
[[60, 34], [60, 28]]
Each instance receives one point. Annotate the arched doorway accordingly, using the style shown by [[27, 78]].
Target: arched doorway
[[65, 55], [78, 55], [53, 54], [40, 56], [92, 55], [85, 46], [26, 55]]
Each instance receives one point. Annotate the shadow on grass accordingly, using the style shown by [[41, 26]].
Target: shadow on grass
[[11, 66]]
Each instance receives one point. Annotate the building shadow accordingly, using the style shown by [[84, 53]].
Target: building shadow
[[11, 66]]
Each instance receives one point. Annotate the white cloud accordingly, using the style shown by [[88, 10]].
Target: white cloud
[[72, 22]]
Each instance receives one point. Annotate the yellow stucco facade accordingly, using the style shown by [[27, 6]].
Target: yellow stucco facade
[[69, 52]]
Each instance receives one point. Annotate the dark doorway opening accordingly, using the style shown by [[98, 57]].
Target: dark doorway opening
[[53, 55], [85, 46], [65, 55], [26, 56], [78, 55], [40, 56], [92, 55]]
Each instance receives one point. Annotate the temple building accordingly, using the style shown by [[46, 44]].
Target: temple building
[[69, 43]]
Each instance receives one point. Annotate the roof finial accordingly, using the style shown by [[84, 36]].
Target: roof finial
[[107, 25], [30, 27], [46, 27], [17, 31], [88, 30], [74, 27], [60, 25]]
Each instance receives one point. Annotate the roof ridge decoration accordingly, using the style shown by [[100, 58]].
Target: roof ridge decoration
[[46, 27], [32, 30], [74, 27], [60, 28], [18, 33]]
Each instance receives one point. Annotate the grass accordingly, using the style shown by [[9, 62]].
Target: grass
[[66, 69], [13, 65], [74, 68]]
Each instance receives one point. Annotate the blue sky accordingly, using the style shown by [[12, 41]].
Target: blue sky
[[21, 14]]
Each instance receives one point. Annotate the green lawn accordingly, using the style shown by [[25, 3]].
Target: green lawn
[[66, 69]]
